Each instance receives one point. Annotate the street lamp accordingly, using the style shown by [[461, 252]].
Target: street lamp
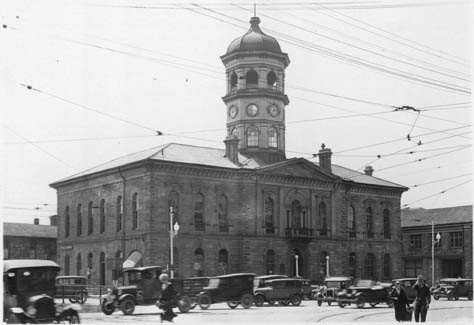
[[296, 261], [173, 232], [327, 266], [433, 243]]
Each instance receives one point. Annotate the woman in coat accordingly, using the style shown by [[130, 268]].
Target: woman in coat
[[167, 299], [400, 302]]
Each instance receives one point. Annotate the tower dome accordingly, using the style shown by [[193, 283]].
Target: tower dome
[[254, 40]]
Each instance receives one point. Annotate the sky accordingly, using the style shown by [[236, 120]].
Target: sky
[[385, 83]]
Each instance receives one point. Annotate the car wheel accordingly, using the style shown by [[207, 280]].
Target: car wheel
[[73, 318], [72, 300], [342, 305], [232, 304], [284, 302], [296, 300], [107, 308], [184, 304], [329, 303], [246, 300], [320, 301], [360, 302], [436, 297], [81, 297], [204, 301], [259, 300], [272, 302], [127, 306], [373, 304], [455, 297], [14, 319]]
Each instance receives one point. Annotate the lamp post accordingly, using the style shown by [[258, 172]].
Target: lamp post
[[173, 232], [433, 243], [296, 262], [327, 266]]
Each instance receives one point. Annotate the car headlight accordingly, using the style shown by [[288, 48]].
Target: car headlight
[[119, 292], [31, 310]]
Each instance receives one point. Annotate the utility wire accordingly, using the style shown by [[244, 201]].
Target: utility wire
[[441, 180], [438, 193]]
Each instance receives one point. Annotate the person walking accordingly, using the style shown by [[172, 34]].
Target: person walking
[[422, 300], [400, 302], [167, 299]]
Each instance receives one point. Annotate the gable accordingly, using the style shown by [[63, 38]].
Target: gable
[[297, 167]]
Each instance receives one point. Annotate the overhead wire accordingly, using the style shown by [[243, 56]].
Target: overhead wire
[[438, 193], [441, 180]]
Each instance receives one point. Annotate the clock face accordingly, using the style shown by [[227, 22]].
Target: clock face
[[233, 111], [274, 110], [252, 110]]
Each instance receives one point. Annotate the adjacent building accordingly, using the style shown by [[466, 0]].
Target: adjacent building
[[245, 208], [453, 250]]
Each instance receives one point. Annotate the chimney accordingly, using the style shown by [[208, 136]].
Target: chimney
[[325, 158], [232, 148], [36, 221], [368, 170]]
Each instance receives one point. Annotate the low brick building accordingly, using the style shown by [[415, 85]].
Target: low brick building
[[245, 208], [25, 241], [452, 254]]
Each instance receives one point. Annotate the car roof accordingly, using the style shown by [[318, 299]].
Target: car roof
[[71, 277], [270, 276], [144, 268], [233, 275], [404, 279], [338, 278], [20, 264], [454, 279], [285, 279]]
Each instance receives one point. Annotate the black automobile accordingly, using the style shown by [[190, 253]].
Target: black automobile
[[28, 294], [73, 287], [143, 287], [284, 291], [234, 289], [453, 289], [332, 286], [262, 280], [365, 291]]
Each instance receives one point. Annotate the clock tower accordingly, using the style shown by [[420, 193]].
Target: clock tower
[[255, 98]]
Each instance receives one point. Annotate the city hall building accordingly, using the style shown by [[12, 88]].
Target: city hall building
[[245, 208]]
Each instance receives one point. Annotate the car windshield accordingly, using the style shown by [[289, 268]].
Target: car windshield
[[213, 283], [36, 278], [365, 283], [333, 284], [134, 277]]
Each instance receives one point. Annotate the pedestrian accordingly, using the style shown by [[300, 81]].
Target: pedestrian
[[167, 299], [400, 302], [422, 300]]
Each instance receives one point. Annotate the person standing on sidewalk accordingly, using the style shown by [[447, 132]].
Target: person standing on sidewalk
[[400, 302], [422, 300]]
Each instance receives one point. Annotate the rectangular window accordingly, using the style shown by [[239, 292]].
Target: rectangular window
[[413, 268], [456, 239], [415, 241]]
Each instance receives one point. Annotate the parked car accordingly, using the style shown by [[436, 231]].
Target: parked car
[[231, 288], [284, 291], [332, 286], [365, 291], [190, 288], [143, 287], [28, 293], [407, 285], [453, 288], [262, 280], [72, 287]]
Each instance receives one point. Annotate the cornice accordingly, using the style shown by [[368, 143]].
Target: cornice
[[256, 92]]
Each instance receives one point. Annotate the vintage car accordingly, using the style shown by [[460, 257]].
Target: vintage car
[[190, 288], [365, 291], [284, 291], [262, 280], [407, 285], [72, 287], [453, 288], [231, 288], [142, 287], [332, 286], [28, 293]]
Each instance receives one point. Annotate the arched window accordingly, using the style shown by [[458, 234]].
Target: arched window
[[370, 266], [272, 138], [296, 214], [370, 222], [79, 219], [66, 265], [386, 267], [223, 214], [102, 216], [223, 263], [90, 263], [78, 264], [90, 219], [271, 80], [199, 262], [135, 210], [269, 209], [198, 212], [251, 79], [323, 271], [233, 81], [270, 261], [252, 136], [386, 224], [116, 273], [119, 213], [102, 269], [323, 219], [351, 222], [352, 265], [67, 221]]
